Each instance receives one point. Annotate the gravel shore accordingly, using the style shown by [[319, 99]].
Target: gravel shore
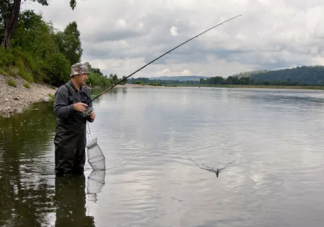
[[15, 99]]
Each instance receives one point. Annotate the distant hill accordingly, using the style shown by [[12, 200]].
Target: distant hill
[[310, 75], [180, 78], [248, 74]]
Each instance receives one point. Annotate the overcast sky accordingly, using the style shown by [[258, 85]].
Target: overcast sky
[[120, 36]]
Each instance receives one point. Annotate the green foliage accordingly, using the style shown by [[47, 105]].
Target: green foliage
[[138, 82], [51, 98], [27, 85], [155, 84], [96, 78], [69, 43], [231, 80], [125, 80], [57, 69], [313, 75], [248, 74], [12, 83], [148, 83], [114, 78], [9, 14], [26, 75], [39, 52], [73, 4]]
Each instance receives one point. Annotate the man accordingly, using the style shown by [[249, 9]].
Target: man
[[70, 134]]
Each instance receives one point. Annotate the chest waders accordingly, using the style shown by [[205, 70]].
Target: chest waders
[[70, 138]]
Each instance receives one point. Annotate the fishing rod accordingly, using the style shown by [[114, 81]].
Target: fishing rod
[[108, 89]]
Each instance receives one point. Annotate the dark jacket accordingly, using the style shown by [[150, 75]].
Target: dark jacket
[[63, 105]]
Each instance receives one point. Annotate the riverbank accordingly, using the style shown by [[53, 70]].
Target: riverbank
[[16, 99]]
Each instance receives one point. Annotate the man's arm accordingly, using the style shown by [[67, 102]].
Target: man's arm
[[61, 107]]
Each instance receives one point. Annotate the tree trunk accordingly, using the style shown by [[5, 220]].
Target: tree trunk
[[10, 23]]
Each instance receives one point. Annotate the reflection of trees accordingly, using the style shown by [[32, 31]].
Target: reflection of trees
[[113, 93], [25, 196]]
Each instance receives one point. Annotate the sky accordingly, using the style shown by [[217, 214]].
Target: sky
[[120, 36]]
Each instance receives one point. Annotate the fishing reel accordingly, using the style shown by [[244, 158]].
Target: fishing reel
[[87, 113]]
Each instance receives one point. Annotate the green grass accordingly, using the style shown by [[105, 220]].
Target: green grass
[[3, 72], [12, 83], [13, 71], [51, 100], [27, 85], [26, 75]]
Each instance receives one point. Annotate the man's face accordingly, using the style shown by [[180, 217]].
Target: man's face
[[81, 79]]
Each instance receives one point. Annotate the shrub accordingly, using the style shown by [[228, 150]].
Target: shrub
[[12, 83], [27, 85], [3, 72]]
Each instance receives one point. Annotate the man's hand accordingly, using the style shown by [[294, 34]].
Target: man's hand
[[93, 115], [81, 107]]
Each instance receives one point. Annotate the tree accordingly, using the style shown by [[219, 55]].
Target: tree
[[125, 80], [69, 43], [9, 14], [115, 79]]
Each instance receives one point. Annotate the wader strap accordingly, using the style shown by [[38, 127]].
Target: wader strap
[[70, 89]]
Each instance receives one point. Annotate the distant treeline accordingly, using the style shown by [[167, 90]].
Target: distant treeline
[[210, 81], [300, 76], [158, 82], [96, 78]]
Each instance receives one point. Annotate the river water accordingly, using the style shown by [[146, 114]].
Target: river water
[[162, 148]]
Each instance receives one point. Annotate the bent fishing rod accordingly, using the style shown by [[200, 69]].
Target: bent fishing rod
[[108, 89]]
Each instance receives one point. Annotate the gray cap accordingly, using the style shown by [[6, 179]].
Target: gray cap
[[79, 68]]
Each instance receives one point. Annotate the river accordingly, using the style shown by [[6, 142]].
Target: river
[[162, 148]]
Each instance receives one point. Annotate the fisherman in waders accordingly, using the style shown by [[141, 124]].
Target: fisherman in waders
[[70, 112]]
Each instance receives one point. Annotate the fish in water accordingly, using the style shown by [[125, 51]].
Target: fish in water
[[217, 171]]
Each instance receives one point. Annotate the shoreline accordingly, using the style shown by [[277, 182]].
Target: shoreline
[[15, 100]]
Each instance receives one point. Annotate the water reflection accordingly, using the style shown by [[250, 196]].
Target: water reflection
[[25, 197], [71, 202], [96, 182]]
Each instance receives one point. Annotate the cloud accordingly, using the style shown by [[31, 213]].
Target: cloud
[[122, 35], [174, 31], [185, 72]]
